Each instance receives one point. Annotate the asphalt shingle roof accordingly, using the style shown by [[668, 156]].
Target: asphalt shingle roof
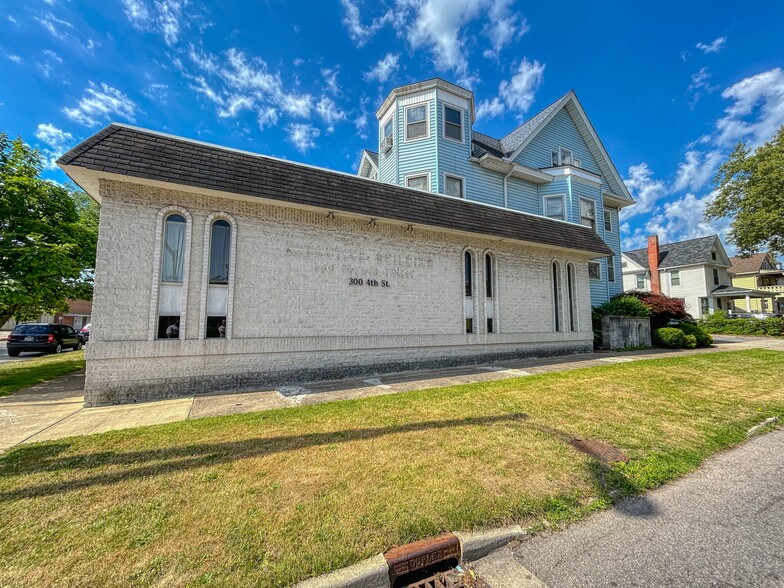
[[747, 265], [691, 252], [373, 155], [138, 153]]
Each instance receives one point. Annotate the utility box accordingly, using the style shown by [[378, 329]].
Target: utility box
[[622, 332]]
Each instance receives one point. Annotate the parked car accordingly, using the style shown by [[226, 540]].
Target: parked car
[[46, 337], [85, 332]]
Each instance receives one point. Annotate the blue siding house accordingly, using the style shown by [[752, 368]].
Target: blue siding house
[[552, 165]]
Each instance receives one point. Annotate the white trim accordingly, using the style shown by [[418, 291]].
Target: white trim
[[476, 282], [373, 167], [155, 291], [578, 173], [494, 286], [435, 83], [605, 212], [580, 210], [419, 175], [571, 297], [426, 121], [544, 205], [444, 106], [462, 184], [205, 272], [556, 291]]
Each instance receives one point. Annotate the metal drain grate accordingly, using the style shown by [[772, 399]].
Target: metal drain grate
[[442, 580]]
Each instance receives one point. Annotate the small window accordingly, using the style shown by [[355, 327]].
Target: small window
[[640, 282], [169, 327], [675, 277], [173, 258], [420, 182], [562, 156], [453, 123], [576, 162], [715, 276], [469, 275], [416, 122], [554, 207], [718, 303], [454, 186], [388, 128], [713, 255], [594, 270], [216, 327], [607, 221], [611, 269], [588, 213], [469, 325]]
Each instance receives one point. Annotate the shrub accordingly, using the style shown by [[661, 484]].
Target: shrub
[[689, 342], [663, 308], [670, 337], [623, 306], [701, 336], [720, 323]]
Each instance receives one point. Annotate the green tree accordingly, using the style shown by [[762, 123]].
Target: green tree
[[750, 190], [48, 235]]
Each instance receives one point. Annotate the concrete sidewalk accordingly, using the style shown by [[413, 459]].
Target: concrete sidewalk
[[53, 410]]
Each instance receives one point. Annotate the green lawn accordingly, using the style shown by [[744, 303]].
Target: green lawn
[[15, 375], [269, 498]]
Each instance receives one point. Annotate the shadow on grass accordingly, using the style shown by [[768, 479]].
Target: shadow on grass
[[31, 460]]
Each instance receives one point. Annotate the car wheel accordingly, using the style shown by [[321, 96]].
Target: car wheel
[[14, 353], [58, 348], [78, 346]]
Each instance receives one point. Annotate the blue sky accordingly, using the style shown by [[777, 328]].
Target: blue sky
[[669, 86]]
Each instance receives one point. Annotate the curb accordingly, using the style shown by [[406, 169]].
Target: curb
[[757, 428], [374, 571]]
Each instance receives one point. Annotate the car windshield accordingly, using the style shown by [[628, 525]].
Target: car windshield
[[31, 330]]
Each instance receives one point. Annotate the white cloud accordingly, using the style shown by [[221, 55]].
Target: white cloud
[[57, 27], [760, 96], [331, 79], [101, 103], [383, 69], [303, 136], [516, 94], [503, 28], [162, 16], [13, 20], [700, 85], [15, 58], [714, 46], [644, 188], [330, 112], [696, 170], [358, 32], [56, 141]]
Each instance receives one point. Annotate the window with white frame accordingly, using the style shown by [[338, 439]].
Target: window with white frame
[[490, 288], [594, 270], [675, 278], [554, 207], [572, 296], [640, 281], [562, 156], [454, 186], [715, 276], [172, 273], [220, 253], [588, 213], [468, 305], [611, 269], [557, 310], [453, 123], [419, 181], [387, 141], [607, 221], [416, 122]]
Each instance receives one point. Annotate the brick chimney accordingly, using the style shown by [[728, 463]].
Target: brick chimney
[[653, 263]]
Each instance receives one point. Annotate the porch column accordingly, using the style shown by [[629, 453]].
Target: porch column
[[748, 303]]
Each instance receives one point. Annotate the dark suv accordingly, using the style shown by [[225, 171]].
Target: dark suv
[[46, 337]]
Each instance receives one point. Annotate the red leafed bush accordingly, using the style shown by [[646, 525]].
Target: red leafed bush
[[663, 308]]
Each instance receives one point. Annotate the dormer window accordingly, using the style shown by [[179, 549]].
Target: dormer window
[[563, 156], [713, 255], [387, 142], [416, 122], [453, 123]]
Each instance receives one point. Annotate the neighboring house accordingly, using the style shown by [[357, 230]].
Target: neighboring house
[[695, 270], [553, 165], [762, 275]]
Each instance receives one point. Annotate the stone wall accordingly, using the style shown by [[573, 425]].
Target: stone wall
[[296, 316], [620, 332]]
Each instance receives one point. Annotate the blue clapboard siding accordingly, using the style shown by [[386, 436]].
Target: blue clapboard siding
[[613, 239], [420, 155], [387, 162]]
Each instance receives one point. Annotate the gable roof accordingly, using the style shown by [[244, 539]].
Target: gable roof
[[125, 153], [691, 252], [368, 162], [748, 265]]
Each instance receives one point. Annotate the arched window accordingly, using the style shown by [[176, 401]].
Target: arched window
[[173, 254], [570, 285], [557, 296], [490, 292], [220, 248], [468, 304]]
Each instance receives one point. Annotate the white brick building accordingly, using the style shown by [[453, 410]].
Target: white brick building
[[277, 272]]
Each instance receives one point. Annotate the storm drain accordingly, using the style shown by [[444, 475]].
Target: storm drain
[[431, 563]]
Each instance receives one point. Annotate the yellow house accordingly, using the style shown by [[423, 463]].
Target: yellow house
[[759, 272]]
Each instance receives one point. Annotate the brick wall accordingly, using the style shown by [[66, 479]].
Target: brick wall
[[295, 314]]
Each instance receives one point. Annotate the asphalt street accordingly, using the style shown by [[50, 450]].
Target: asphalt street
[[721, 526]]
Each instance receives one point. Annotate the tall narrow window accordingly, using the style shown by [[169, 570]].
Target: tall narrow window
[[468, 304], [489, 293], [570, 285], [640, 281], [715, 276], [173, 255], [588, 213], [675, 277], [557, 295], [607, 221], [611, 269], [217, 298], [453, 125]]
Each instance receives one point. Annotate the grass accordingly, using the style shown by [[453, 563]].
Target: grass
[[267, 499], [15, 375]]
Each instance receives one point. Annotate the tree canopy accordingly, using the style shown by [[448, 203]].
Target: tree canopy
[[750, 190], [48, 236]]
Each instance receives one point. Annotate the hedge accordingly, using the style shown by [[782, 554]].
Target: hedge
[[719, 323]]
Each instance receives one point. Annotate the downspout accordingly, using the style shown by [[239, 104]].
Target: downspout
[[506, 191]]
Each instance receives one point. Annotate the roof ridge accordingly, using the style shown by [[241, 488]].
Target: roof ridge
[[521, 125]]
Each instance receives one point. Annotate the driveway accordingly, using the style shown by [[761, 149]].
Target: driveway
[[721, 526]]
